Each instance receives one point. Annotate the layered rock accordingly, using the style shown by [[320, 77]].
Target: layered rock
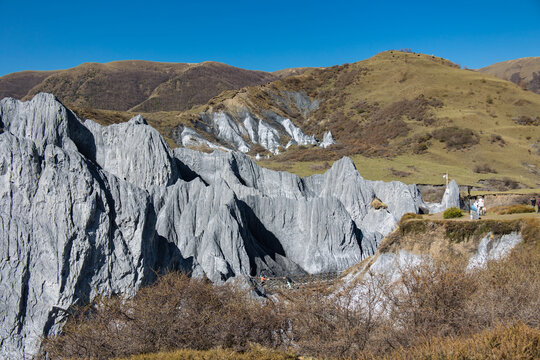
[[86, 209]]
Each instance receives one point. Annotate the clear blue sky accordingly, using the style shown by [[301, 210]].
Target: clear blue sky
[[262, 35]]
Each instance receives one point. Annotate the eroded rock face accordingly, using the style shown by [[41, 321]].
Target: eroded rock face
[[86, 209]]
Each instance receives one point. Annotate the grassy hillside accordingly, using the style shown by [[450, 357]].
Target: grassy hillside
[[413, 117], [142, 85], [524, 72], [404, 116]]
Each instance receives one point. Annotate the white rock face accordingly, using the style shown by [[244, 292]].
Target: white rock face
[[87, 209], [190, 137], [227, 129], [296, 133], [450, 199], [493, 248], [328, 140], [262, 133]]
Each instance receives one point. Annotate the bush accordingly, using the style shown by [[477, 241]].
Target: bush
[[452, 213], [175, 313], [378, 204], [512, 342], [456, 138], [527, 120], [484, 169], [434, 310]]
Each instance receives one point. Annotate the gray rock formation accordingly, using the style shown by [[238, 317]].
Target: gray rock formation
[[87, 209], [449, 199], [328, 140], [240, 125]]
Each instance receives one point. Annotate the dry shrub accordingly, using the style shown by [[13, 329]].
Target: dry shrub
[[175, 313], [399, 173], [415, 109], [337, 326], [500, 184], [511, 342], [409, 216], [484, 169], [432, 193], [497, 139], [429, 300], [527, 120], [433, 306], [509, 290], [512, 209], [378, 204], [320, 167], [456, 138], [255, 353]]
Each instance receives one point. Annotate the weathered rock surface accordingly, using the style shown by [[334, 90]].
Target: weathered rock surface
[[86, 209], [450, 199], [240, 125]]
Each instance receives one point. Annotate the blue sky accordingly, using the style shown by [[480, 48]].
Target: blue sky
[[262, 35]]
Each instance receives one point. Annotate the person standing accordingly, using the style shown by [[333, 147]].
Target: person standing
[[538, 205], [481, 207]]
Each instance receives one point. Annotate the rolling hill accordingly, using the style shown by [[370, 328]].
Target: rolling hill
[[398, 115], [524, 72], [133, 85]]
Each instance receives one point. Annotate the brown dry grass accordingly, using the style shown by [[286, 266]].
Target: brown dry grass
[[432, 308], [378, 204], [504, 342], [512, 209], [255, 353], [142, 86]]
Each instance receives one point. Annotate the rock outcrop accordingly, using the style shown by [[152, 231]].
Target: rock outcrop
[[86, 209], [239, 124]]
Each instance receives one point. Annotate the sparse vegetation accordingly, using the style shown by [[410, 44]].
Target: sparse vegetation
[[378, 204], [456, 138], [527, 120], [512, 209], [435, 308], [484, 169]]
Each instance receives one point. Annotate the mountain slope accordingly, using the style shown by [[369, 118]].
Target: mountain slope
[[142, 85], [18, 84], [524, 72], [416, 115], [398, 115]]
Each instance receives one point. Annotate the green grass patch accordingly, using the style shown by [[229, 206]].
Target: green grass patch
[[452, 213]]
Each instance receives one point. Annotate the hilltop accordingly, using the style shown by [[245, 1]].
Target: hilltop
[[134, 85], [524, 72]]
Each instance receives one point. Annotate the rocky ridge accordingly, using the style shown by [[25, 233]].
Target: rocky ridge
[[239, 125], [87, 209]]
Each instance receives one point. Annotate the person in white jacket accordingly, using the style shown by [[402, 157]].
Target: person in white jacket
[[481, 206]]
